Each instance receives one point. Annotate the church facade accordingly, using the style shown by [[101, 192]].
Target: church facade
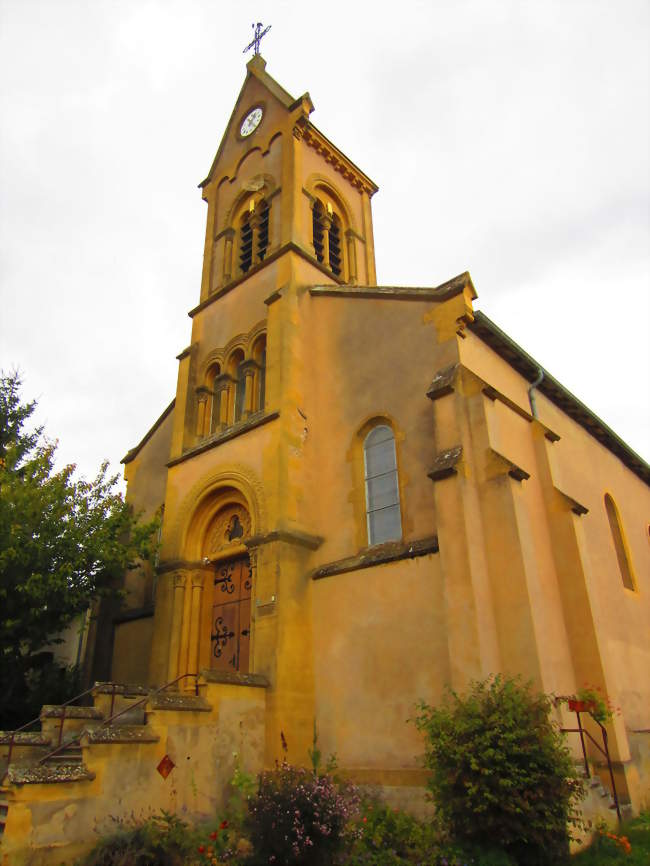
[[370, 493]]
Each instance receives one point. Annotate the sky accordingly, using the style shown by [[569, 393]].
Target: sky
[[508, 138]]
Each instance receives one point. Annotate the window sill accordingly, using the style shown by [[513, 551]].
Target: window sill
[[250, 423], [378, 554]]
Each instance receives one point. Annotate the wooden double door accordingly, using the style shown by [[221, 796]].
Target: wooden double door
[[231, 616]]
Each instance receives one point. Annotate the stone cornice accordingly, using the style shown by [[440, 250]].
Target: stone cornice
[[250, 423], [290, 247], [305, 131], [379, 554], [288, 536]]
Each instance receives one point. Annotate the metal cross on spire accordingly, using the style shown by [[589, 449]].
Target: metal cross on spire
[[258, 33]]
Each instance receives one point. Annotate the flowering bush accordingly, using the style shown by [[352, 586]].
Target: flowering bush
[[298, 817], [592, 700]]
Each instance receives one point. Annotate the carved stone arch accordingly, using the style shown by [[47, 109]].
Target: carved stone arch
[[316, 182], [216, 356], [267, 186], [257, 331], [239, 341], [236, 484]]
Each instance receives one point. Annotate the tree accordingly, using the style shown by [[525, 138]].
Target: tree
[[501, 773], [64, 542]]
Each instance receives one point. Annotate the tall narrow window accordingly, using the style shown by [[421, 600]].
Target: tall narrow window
[[263, 230], [318, 230], [382, 488], [335, 245], [619, 543], [245, 243]]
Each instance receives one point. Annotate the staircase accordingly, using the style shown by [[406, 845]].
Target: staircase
[[135, 751]]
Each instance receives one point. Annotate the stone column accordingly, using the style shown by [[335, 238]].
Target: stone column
[[221, 385], [198, 580], [227, 255], [202, 405], [178, 603], [248, 370], [326, 222], [352, 257]]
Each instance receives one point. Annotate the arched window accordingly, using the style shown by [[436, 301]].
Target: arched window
[[620, 546], [327, 232], [382, 488], [259, 356]]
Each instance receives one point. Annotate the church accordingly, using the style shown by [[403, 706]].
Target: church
[[367, 494]]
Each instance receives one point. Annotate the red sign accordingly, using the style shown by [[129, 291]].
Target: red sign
[[165, 766]]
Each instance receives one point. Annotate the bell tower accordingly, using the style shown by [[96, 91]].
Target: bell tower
[[279, 187]]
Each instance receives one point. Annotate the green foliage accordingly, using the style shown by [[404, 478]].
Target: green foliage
[[162, 839], [629, 845], [63, 543], [388, 837], [500, 771]]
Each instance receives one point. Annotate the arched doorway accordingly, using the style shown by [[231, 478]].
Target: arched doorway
[[232, 587]]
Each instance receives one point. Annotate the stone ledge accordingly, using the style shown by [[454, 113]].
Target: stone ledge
[[445, 463], [25, 738], [379, 554], [121, 734], [45, 775], [54, 712], [235, 679], [250, 423], [185, 703], [105, 688]]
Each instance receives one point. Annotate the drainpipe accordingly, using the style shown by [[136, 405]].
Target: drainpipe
[[531, 395]]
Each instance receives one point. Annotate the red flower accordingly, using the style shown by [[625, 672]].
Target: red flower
[[213, 835], [201, 849], [223, 825], [364, 819]]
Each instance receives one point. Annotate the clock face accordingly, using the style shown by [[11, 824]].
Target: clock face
[[251, 122]]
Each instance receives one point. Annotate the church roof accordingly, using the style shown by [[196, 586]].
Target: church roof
[[529, 368]]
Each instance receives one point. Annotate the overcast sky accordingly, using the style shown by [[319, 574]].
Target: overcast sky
[[508, 138]]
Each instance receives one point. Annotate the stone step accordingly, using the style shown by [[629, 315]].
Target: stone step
[[44, 774], [25, 738], [51, 711], [177, 701], [121, 734]]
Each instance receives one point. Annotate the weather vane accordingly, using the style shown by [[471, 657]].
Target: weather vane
[[258, 33]]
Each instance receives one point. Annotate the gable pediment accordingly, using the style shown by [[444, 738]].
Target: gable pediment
[[279, 111]]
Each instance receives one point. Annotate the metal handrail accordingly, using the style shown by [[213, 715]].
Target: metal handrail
[[77, 740], [38, 718], [604, 750]]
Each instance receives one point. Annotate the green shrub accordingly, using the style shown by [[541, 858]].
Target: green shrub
[[163, 840], [500, 771]]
